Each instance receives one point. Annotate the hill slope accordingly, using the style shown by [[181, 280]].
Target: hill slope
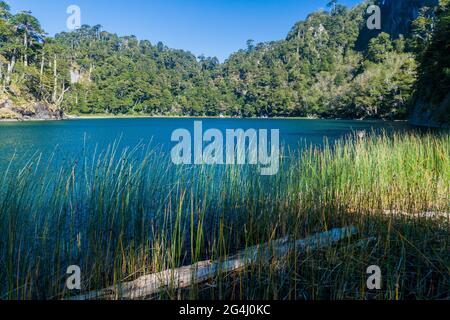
[[329, 66]]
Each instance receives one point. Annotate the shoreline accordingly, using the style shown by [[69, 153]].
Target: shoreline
[[30, 120], [106, 117], [96, 117]]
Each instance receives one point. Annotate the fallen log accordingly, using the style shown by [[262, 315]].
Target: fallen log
[[184, 277], [433, 215]]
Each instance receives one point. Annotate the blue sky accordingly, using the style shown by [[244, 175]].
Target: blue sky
[[211, 27]]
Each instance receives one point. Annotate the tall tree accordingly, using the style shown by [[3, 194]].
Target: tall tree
[[31, 30]]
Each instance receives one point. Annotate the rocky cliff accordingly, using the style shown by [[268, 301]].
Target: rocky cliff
[[33, 111], [396, 18]]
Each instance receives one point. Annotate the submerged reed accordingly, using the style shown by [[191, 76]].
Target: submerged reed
[[122, 213]]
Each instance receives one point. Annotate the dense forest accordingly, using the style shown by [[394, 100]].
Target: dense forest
[[329, 65]]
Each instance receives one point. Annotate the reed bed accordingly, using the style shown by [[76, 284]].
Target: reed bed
[[123, 213]]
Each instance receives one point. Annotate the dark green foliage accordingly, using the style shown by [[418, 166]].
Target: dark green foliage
[[434, 72]]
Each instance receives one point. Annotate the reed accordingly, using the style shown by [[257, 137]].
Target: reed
[[123, 213]]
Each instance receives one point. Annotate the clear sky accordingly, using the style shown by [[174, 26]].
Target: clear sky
[[211, 27]]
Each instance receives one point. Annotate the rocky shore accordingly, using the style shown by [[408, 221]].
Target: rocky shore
[[32, 112]]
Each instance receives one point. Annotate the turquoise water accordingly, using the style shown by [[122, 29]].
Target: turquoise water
[[67, 139]]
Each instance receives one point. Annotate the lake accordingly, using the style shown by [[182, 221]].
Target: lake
[[120, 219], [68, 138]]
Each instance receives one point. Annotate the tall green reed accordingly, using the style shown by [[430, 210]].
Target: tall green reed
[[123, 212]]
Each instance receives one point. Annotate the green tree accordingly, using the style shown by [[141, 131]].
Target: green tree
[[30, 28], [379, 46]]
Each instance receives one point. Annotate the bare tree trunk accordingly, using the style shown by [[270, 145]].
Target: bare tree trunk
[[25, 43], [42, 66], [184, 277], [41, 74], [55, 79], [10, 70], [1, 78], [61, 97]]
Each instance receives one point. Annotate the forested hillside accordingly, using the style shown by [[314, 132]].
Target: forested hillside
[[319, 70]]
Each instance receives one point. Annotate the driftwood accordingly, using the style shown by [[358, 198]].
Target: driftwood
[[184, 277], [433, 215]]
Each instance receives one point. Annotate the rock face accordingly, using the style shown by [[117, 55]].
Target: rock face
[[436, 116], [397, 15], [37, 111], [396, 18]]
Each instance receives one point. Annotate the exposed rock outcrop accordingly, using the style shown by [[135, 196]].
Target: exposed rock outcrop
[[396, 18], [34, 111]]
